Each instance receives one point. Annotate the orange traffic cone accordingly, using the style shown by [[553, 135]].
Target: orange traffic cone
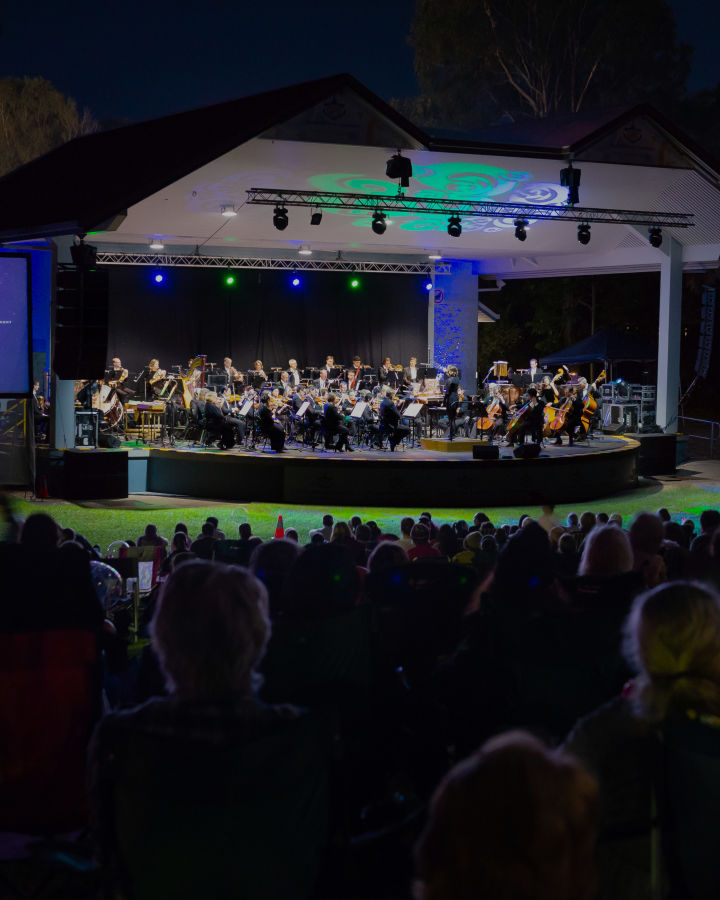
[[279, 528], [41, 491]]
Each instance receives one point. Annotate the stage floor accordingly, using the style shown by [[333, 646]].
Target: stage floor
[[405, 477]]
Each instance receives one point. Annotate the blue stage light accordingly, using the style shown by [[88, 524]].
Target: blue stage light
[[159, 278], [429, 286], [295, 281]]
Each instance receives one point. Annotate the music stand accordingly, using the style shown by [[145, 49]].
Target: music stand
[[411, 414]]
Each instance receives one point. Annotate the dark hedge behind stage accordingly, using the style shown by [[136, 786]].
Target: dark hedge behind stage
[[263, 317]]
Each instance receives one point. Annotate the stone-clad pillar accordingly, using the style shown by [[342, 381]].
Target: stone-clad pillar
[[454, 317]]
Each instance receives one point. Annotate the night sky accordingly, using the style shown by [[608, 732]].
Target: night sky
[[138, 59]]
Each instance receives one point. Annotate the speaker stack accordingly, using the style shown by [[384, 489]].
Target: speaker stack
[[81, 323]]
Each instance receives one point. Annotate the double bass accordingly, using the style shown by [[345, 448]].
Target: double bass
[[590, 403]]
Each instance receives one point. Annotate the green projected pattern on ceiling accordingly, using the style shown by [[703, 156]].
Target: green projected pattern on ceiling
[[451, 181]]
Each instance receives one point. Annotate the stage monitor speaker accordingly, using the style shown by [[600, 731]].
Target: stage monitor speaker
[[481, 451], [615, 428], [95, 475], [81, 323], [657, 454], [527, 451]]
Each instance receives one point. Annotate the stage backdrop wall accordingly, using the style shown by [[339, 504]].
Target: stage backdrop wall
[[262, 316]]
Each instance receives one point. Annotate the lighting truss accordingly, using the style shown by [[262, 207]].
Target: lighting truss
[[441, 206], [294, 264]]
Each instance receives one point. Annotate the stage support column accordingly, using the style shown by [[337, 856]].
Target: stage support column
[[668, 387], [455, 322]]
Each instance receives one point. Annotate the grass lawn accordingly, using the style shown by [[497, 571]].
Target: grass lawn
[[127, 519]]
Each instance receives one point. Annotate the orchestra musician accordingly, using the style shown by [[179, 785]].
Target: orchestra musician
[[155, 377], [356, 374], [387, 375], [230, 413], [217, 426], [116, 376], [548, 391], [322, 382], [293, 373], [230, 372], [333, 370], [497, 410], [334, 424], [390, 421], [450, 400], [534, 421], [573, 418], [410, 372], [285, 386], [533, 372], [257, 375], [269, 427]]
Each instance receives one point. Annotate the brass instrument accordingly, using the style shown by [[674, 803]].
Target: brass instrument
[[159, 375]]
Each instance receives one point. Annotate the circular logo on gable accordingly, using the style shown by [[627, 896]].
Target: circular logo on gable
[[439, 295]]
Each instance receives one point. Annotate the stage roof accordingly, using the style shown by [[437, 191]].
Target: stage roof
[[168, 178]]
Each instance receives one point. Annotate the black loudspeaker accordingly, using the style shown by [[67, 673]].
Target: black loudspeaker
[[81, 323], [527, 451], [108, 440], [482, 451], [95, 475], [657, 454]]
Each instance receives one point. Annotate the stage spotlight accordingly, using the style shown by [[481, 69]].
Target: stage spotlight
[[520, 226], [305, 251], [454, 228], [156, 244], [228, 211], [570, 178], [655, 236], [435, 255], [229, 279], [355, 283], [378, 222], [280, 218], [316, 218], [399, 166], [159, 278], [295, 281], [428, 285], [583, 234]]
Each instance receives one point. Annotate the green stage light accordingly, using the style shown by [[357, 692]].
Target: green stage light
[[230, 279], [355, 283]]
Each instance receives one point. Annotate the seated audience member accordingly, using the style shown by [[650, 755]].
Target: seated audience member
[[210, 631], [447, 542], [271, 562], [514, 821], [426, 518], [471, 546], [616, 519], [709, 521], [292, 535], [181, 526], [406, 526], [663, 515], [387, 555], [567, 558], [547, 520], [646, 536], [151, 538], [555, 534], [478, 519], [342, 536], [672, 639], [67, 535], [219, 535], [421, 548], [327, 527], [573, 523], [204, 546], [607, 553], [602, 518]]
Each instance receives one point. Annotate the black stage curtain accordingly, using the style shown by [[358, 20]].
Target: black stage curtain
[[261, 316]]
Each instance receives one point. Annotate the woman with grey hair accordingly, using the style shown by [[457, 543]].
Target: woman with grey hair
[[201, 792], [672, 639]]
